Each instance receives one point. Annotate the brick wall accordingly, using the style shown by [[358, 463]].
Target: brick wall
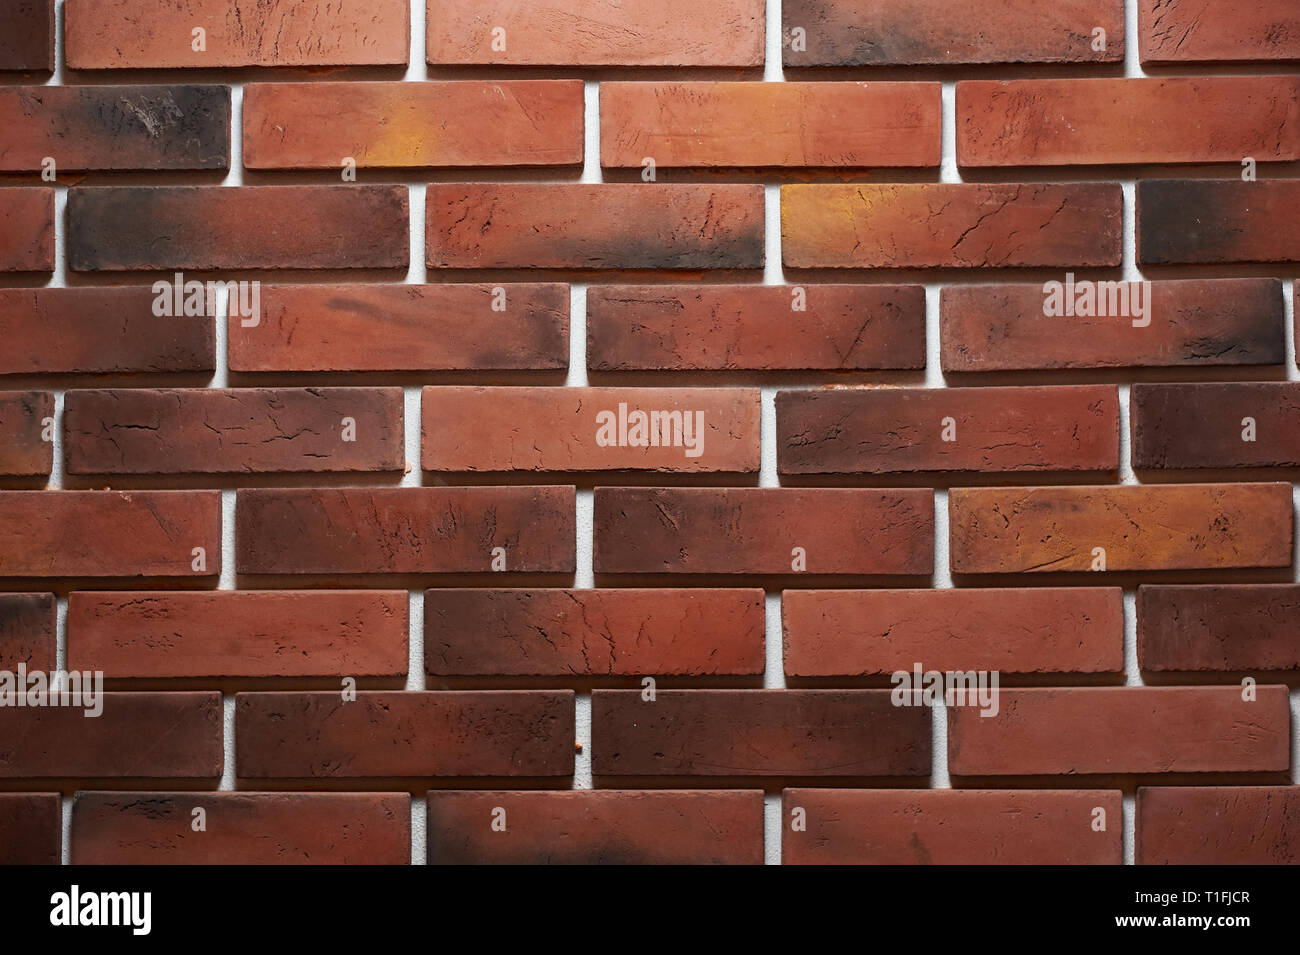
[[583, 410]]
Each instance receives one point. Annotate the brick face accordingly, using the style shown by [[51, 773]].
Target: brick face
[[576, 442]]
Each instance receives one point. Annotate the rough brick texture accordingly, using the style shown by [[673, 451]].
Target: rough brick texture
[[157, 828], [906, 433], [30, 828], [1218, 31], [26, 440], [839, 531], [27, 631], [849, 633], [601, 827], [137, 34], [1218, 825], [593, 633], [1141, 730], [26, 229], [951, 827], [1217, 628], [164, 635], [1188, 221], [28, 40], [1238, 425]]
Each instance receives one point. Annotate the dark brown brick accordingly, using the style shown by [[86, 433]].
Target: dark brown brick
[[23, 450], [26, 229], [1122, 730], [114, 127], [242, 634], [116, 228], [834, 633], [27, 42], [905, 432], [628, 226], [596, 827], [757, 531], [937, 32], [755, 327], [157, 828], [584, 633], [31, 829], [951, 827], [316, 738], [758, 733], [404, 328], [1226, 415], [110, 534], [27, 631], [1218, 628], [137, 738], [1141, 528], [951, 225], [1196, 323], [1218, 825], [1207, 221], [233, 430], [404, 530]]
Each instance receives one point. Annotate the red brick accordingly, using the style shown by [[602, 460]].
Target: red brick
[[951, 827], [1175, 31], [876, 633], [31, 829], [757, 733], [137, 738], [567, 430], [951, 225], [1162, 439], [138, 34], [23, 452], [157, 828], [628, 226], [398, 124], [115, 534], [755, 327], [1141, 527], [1122, 730], [226, 633], [596, 33], [118, 228], [748, 125], [54, 331], [316, 738], [597, 827], [582, 633], [26, 229], [404, 328], [1218, 825], [842, 531], [28, 40], [114, 127], [1206, 221], [938, 32], [1218, 628], [1197, 323], [233, 430], [1085, 122], [406, 530], [904, 432], [27, 628]]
